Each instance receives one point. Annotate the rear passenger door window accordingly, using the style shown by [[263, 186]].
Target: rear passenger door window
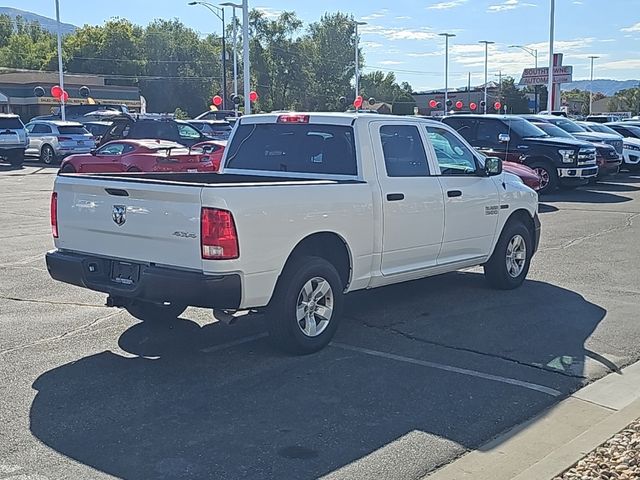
[[404, 154]]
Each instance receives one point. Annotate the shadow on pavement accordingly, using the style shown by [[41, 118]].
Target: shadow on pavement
[[546, 208], [591, 194], [175, 411]]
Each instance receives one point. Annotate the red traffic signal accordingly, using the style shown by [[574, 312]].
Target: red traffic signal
[[433, 104], [497, 105], [56, 91], [253, 96], [217, 100], [473, 106], [459, 105], [358, 101], [64, 96]]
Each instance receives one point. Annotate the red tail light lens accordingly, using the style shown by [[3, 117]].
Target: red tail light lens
[[218, 235], [293, 118], [54, 214], [215, 162]]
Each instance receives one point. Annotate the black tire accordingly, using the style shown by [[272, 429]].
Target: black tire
[[16, 159], [68, 168], [550, 177], [496, 270], [285, 330], [134, 169], [155, 312], [47, 155]]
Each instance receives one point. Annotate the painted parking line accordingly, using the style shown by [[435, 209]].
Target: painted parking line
[[240, 341], [449, 368]]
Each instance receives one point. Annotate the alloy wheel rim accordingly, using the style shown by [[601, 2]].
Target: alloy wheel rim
[[543, 175], [314, 307], [47, 155], [516, 257]]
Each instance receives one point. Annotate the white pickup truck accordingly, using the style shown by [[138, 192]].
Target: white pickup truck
[[307, 207]]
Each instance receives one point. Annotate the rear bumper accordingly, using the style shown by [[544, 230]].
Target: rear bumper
[[155, 284]]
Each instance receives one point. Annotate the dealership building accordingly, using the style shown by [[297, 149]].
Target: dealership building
[[17, 92]]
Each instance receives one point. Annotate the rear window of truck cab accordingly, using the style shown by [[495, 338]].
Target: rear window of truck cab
[[306, 148]]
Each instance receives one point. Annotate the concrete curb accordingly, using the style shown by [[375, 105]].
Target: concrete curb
[[553, 441]]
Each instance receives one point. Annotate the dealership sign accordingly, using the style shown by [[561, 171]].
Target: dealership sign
[[540, 76]]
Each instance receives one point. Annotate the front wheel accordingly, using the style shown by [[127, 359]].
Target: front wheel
[[548, 177], [508, 266], [306, 307], [48, 155], [155, 312]]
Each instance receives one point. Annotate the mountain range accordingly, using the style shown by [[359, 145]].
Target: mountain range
[[46, 22], [607, 87]]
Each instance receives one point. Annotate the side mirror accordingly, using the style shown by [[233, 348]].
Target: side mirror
[[93, 152], [493, 166], [504, 138]]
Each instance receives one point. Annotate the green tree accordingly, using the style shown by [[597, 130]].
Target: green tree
[[626, 100], [384, 88], [513, 97]]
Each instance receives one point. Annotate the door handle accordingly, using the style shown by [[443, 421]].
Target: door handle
[[395, 197], [454, 193]]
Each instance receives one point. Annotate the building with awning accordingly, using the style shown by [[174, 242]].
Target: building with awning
[[17, 92]]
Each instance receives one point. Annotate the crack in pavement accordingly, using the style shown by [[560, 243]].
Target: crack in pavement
[[408, 336], [628, 223], [70, 333], [51, 302]]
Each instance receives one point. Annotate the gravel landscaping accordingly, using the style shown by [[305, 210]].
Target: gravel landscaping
[[617, 459]]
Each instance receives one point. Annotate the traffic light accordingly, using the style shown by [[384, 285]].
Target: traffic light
[[449, 103]]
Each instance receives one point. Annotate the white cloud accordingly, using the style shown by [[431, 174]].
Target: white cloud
[[425, 54], [269, 12], [379, 14], [390, 62], [578, 2], [632, 28], [403, 18], [509, 5], [371, 44], [398, 33], [447, 5], [633, 64]]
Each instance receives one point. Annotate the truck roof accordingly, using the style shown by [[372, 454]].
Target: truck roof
[[337, 118]]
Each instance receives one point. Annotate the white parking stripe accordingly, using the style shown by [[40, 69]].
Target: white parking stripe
[[240, 341], [448, 368]]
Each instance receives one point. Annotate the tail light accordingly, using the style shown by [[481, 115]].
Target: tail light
[[218, 235], [64, 139], [293, 118], [215, 162], [54, 214]]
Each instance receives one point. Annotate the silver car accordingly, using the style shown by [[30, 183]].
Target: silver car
[[52, 140]]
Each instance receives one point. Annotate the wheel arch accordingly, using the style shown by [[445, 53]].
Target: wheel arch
[[330, 246]]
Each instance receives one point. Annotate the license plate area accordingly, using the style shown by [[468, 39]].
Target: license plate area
[[125, 273]]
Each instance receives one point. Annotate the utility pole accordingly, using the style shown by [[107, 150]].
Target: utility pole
[[534, 53], [551, 32], [446, 36], [357, 58], [592, 58], [245, 56], [486, 70], [235, 50], [63, 113]]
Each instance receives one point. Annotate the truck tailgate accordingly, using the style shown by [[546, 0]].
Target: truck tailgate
[[138, 221]]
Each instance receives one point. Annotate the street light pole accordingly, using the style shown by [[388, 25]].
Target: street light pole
[[219, 12], [551, 32], [63, 113], [446, 67], [235, 50], [245, 56], [534, 53], [486, 70], [357, 69], [592, 58]]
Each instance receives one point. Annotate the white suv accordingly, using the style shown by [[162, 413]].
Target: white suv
[[52, 140], [13, 139]]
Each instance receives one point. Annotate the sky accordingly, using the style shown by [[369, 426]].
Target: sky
[[402, 35]]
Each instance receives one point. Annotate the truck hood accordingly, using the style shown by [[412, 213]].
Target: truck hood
[[596, 136], [559, 142]]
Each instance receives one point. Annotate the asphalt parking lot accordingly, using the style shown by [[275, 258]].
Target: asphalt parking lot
[[418, 373]]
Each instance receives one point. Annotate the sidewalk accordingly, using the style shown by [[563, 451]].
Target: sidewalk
[[552, 442]]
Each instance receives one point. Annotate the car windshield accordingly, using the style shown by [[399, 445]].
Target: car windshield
[[568, 125], [525, 129], [72, 130], [552, 130], [598, 127]]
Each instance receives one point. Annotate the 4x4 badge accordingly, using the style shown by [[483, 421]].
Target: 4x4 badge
[[119, 214]]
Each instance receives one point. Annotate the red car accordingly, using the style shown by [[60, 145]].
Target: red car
[[527, 175], [147, 156]]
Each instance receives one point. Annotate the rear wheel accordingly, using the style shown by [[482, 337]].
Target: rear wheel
[[306, 307], [508, 266], [155, 312], [548, 176], [47, 155]]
